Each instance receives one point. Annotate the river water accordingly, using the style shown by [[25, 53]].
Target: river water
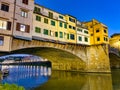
[[41, 78]]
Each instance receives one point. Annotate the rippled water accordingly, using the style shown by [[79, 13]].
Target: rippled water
[[40, 78]]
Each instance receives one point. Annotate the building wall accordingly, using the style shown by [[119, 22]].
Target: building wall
[[115, 41], [93, 26], [20, 30], [71, 30], [81, 35], [6, 22], [62, 26]]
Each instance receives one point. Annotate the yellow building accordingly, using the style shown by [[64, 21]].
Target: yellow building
[[49, 25], [98, 32], [71, 28], [115, 41]]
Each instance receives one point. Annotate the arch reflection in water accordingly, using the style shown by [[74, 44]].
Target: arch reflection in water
[[61, 80], [27, 76]]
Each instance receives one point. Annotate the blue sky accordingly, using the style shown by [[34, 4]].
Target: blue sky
[[105, 11]]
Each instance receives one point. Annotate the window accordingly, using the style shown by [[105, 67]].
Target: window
[[61, 17], [78, 29], [5, 7], [80, 38], [45, 31], [72, 36], [37, 10], [71, 19], [24, 13], [1, 40], [56, 34], [70, 26], [38, 18], [86, 39], [105, 31], [61, 34], [98, 38], [5, 25], [50, 15], [91, 34], [52, 33], [65, 25], [74, 28], [104, 38], [67, 36], [86, 32], [46, 20], [25, 1], [60, 24], [22, 27], [52, 23], [97, 31], [37, 30]]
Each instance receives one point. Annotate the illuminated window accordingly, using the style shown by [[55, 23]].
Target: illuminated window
[[5, 25], [23, 28], [24, 13]]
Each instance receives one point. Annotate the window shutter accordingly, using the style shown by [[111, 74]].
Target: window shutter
[[18, 27], [27, 29], [8, 25]]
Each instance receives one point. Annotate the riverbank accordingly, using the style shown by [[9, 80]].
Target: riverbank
[[10, 87]]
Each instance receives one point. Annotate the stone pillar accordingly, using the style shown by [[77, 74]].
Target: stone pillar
[[98, 59]]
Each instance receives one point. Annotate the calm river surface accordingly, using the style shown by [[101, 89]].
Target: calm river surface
[[41, 78]]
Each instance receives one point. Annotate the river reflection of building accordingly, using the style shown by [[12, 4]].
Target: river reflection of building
[[27, 76]]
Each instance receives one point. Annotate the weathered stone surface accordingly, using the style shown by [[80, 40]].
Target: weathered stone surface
[[96, 57]]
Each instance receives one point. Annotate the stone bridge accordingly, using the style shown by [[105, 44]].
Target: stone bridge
[[94, 58]]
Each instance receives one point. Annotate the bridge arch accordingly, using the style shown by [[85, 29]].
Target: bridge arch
[[94, 58], [60, 59]]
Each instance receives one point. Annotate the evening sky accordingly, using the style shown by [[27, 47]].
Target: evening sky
[[105, 11]]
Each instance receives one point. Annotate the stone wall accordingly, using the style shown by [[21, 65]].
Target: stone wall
[[95, 58]]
